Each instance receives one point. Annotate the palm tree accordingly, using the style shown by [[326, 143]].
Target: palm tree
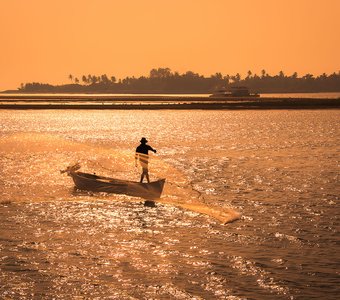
[[308, 76], [84, 79], [104, 79], [160, 73], [236, 78], [89, 79], [294, 75], [95, 79], [70, 77], [323, 76], [218, 76], [227, 79]]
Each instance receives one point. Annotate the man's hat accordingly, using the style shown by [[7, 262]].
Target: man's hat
[[143, 140]]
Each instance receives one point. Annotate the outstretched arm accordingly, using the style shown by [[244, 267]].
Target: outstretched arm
[[151, 149]]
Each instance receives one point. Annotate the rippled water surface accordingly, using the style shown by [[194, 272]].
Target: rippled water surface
[[278, 169]]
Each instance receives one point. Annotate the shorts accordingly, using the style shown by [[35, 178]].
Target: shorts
[[144, 164]]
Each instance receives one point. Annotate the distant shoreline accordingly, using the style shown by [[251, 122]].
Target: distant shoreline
[[162, 102]]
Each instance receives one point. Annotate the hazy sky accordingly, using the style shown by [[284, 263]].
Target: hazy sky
[[46, 40]]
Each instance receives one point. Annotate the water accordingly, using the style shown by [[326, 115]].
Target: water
[[278, 169], [329, 95]]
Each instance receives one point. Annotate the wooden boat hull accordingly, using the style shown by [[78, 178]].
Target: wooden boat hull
[[95, 183]]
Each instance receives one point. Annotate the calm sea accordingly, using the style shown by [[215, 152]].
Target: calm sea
[[278, 169], [333, 95]]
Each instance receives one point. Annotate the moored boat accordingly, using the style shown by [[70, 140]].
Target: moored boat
[[96, 183], [235, 91]]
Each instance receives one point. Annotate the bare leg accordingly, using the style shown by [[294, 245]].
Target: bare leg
[[146, 174]]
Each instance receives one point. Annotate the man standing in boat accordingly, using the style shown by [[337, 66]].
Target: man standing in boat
[[142, 154]]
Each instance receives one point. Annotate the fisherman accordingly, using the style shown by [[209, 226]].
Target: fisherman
[[142, 154]]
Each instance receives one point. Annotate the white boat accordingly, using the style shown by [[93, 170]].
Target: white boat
[[236, 91], [96, 183]]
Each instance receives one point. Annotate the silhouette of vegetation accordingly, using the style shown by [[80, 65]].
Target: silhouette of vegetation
[[163, 80]]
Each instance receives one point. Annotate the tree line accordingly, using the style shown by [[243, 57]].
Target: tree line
[[163, 80]]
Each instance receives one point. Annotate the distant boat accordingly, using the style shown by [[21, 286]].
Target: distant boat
[[236, 91], [95, 183]]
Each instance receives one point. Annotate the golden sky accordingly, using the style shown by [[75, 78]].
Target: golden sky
[[46, 40]]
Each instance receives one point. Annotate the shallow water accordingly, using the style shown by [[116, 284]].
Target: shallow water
[[278, 169]]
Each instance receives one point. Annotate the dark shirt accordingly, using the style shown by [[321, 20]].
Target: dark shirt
[[144, 149]]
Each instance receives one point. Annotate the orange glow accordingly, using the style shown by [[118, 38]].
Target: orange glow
[[45, 41]]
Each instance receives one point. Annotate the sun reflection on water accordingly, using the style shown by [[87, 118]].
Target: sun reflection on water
[[279, 169]]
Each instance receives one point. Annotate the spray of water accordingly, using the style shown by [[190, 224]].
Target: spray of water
[[30, 165]]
